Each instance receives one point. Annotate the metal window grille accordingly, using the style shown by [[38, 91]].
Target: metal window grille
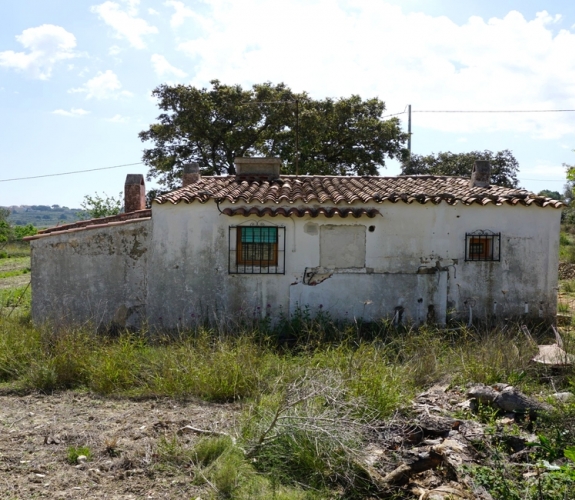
[[256, 249], [483, 246]]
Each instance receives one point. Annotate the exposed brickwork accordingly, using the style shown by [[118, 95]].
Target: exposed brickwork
[[134, 193]]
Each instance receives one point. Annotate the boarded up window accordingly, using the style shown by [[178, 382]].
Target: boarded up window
[[342, 246]]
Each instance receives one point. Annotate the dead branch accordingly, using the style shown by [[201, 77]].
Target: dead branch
[[189, 428]]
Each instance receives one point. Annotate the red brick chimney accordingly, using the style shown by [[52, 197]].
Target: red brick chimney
[[134, 193]]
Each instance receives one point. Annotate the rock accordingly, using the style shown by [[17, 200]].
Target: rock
[[52, 440], [82, 459], [509, 399], [553, 355], [437, 426], [563, 396], [512, 400]]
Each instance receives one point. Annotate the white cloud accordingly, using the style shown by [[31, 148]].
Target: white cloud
[[74, 112], [114, 50], [374, 49], [46, 45], [103, 86], [132, 6], [153, 12], [181, 13], [118, 119], [125, 23], [164, 69], [542, 169]]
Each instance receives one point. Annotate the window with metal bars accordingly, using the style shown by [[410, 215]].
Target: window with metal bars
[[257, 250], [483, 246]]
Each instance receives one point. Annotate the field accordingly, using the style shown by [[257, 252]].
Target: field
[[340, 411]]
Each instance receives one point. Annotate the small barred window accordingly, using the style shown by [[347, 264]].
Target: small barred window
[[482, 246], [257, 250]]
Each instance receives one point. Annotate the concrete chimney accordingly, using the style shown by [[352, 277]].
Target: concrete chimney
[[134, 193], [481, 174], [268, 168], [191, 173]]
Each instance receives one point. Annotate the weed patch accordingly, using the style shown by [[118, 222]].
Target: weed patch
[[74, 452]]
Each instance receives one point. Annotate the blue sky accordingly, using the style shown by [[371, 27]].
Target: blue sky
[[76, 76]]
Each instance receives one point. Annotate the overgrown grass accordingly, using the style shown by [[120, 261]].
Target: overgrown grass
[[14, 249], [310, 389], [15, 297], [383, 368], [14, 272]]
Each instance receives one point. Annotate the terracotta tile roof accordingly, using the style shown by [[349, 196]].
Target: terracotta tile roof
[[300, 212], [102, 221], [290, 189]]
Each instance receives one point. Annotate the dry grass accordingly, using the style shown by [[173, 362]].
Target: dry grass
[[307, 404]]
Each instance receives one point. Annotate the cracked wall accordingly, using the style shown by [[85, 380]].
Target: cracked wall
[[96, 276]]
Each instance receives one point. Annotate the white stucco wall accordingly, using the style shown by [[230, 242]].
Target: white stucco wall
[[95, 275], [414, 259]]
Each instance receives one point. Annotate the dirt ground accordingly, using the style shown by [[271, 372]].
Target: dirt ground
[[122, 435], [14, 281], [14, 264]]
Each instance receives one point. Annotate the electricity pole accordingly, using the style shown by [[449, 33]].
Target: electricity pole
[[296, 137], [409, 130]]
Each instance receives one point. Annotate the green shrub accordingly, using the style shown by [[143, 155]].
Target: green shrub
[[75, 452]]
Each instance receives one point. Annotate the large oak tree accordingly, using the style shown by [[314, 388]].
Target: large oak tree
[[212, 126], [504, 166]]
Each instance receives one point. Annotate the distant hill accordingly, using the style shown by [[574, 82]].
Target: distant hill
[[43, 215]]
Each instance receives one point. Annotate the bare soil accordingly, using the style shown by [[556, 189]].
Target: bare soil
[[122, 435], [14, 281], [14, 264]]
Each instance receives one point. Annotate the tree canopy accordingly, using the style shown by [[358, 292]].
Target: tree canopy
[[344, 136], [8, 232], [504, 166], [97, 206], [5, 227], [555, 195]]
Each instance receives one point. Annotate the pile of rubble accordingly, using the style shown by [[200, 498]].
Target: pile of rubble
[[566, 271], [434, 446]]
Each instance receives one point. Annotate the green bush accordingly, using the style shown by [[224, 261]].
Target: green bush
[[75, 452]]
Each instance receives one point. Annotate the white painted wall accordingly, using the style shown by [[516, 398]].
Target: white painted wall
[[188, 264], [95, 276]]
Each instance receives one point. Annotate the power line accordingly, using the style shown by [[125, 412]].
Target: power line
[[140, 163], [69, 173], [497, 111], [545, 180], [483, 111]]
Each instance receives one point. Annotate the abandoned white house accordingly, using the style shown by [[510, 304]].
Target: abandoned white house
[[416, 248]]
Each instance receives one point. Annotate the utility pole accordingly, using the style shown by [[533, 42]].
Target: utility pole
[[409, 130], [297, 137]]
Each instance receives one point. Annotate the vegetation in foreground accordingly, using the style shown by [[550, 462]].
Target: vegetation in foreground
[[310, 391], [308, 400]]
